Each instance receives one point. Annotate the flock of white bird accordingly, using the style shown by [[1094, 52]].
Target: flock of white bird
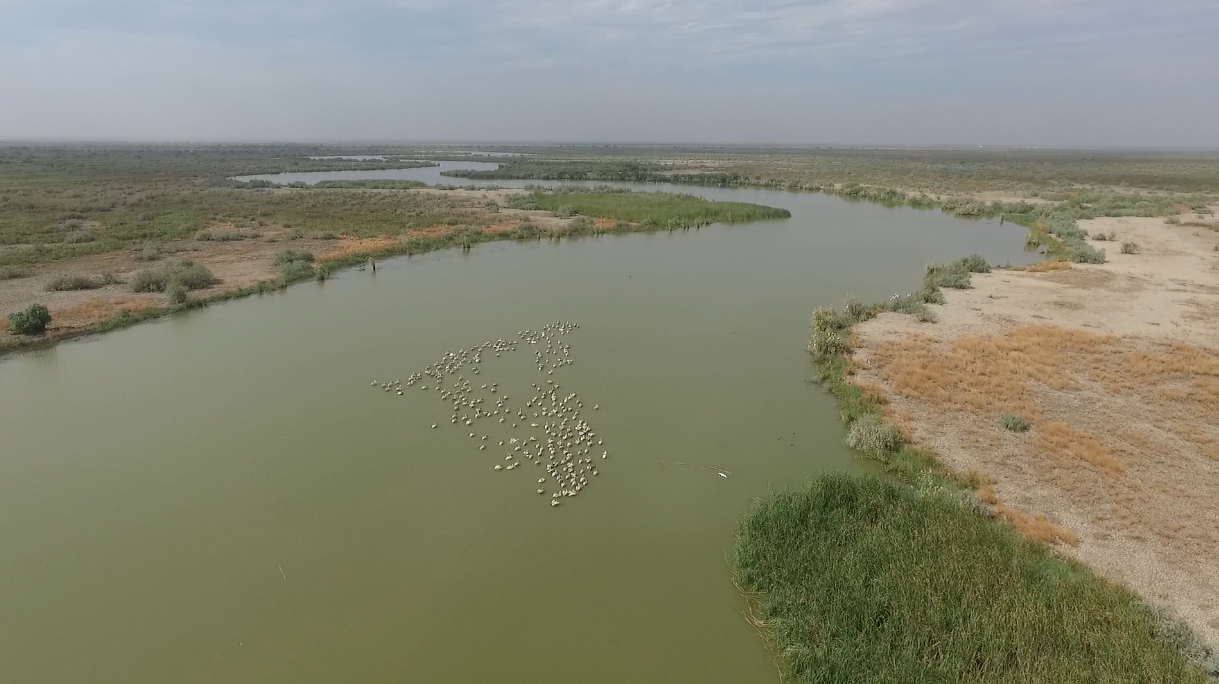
[[567, 444]]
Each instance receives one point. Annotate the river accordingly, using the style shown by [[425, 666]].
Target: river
[[222, 496]]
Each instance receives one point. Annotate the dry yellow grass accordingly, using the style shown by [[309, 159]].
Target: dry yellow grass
[[348, 246], [1076, 389], [1043, 266], [101, 308]]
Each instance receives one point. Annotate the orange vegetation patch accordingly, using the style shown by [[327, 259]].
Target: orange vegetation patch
[[603, 223], [1125, 429], [430, 232], [1042, 267], [1062, 440], [982, 373], [497, 228], [1036, 526], [100, 309], [348, 246]]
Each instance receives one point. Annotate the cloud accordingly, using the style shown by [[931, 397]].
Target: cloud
[[400, 68]]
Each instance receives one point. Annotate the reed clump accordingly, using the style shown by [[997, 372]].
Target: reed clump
[[861, 579]]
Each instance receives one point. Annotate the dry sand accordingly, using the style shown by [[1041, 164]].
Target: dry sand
[[1116, 368]]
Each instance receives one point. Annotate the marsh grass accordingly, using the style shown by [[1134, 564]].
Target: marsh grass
[[858, 579]]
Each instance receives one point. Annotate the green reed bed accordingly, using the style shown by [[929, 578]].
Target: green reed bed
[[860, 579]]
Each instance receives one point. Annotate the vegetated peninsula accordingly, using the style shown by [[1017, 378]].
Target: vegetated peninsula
[[103, 237]]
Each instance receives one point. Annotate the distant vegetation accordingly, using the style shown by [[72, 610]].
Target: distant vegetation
[[59, 202], [651, 210]]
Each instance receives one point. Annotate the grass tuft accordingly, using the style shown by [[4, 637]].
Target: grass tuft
[[1013, 422]]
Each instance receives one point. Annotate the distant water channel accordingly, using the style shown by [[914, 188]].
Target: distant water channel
[[221, 496]]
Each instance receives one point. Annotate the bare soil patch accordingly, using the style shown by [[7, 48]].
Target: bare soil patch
[[1116, 369]]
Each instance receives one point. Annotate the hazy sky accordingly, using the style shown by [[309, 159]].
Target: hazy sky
[[1048, 72]]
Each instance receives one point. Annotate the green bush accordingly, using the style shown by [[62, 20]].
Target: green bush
[[13, 272], [32, 321], [184, 272], [1013, 422]]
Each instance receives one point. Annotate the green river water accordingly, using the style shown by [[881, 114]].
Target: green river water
[[221, 496]]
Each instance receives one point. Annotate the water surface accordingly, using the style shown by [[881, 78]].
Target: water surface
[[222, 497]]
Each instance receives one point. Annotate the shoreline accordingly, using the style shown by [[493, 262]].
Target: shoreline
[[1107, 372]]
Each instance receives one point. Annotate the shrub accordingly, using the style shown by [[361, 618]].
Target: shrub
[[80, 237], [289, 255], [1130, 248], [1013, 422], [176, 293], [13, 272], [151, 251], [581, 225], [565, 210], [1100, 237], [70, 283], [873, 437], [188, 274], [224, 235], [825, 341], [974, 263], [291, 271], [32, 321], [1085, 254]]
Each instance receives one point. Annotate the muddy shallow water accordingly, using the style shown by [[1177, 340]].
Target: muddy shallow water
[[221, 496]]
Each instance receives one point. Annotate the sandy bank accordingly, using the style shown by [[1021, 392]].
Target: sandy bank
[[1116, 368]]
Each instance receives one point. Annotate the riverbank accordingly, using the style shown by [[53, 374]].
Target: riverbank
[[1073, 401], [1115, 367], [245, 259]]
